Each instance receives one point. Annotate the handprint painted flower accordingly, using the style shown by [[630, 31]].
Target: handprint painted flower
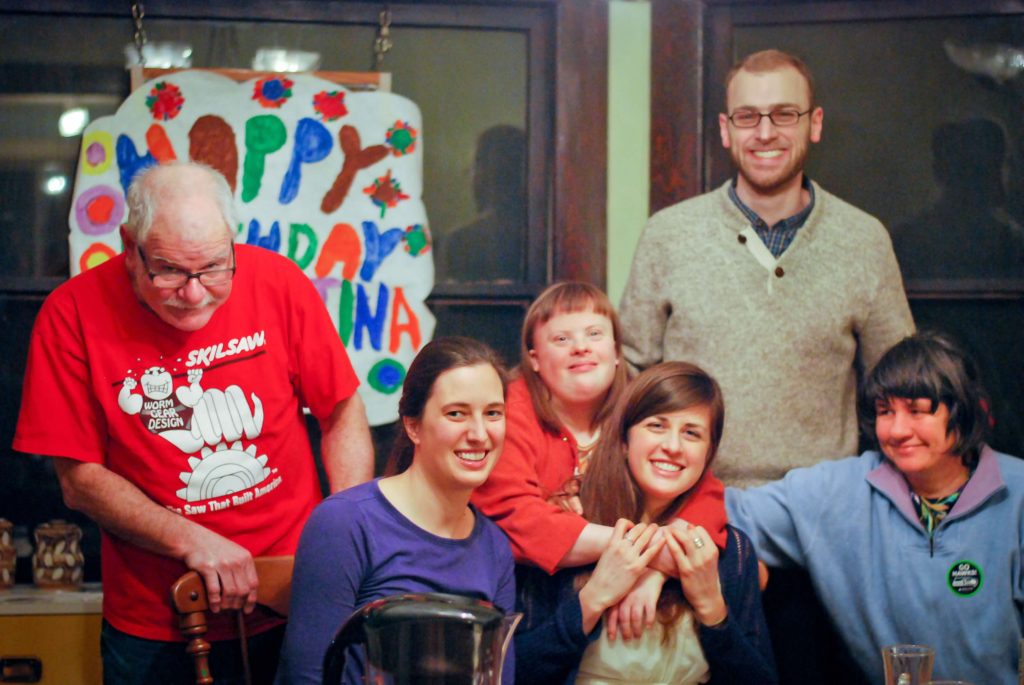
[[330, 105], [273, 91], [165, 101], [385, 192], [417, 239], [401, 138]]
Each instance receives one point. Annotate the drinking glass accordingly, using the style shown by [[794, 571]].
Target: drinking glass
[[907, 664]]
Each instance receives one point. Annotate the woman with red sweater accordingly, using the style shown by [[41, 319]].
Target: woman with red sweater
[[569, 376]]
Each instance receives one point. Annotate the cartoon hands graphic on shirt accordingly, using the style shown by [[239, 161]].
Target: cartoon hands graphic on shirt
[[208, 424], [154, 406], [129, 402], [219, 421], [194, 417], [190, 394]]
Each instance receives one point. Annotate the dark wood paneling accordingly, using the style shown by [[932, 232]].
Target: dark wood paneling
[[676, 101], [469, 13], [579, 245], [717, 62], [765, 12]]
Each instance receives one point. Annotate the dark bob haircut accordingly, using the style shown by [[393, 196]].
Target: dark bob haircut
[[931, 365], [436, 357]]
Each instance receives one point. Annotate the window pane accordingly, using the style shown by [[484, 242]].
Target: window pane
[[471, 85], [496, 325], [924, 128]]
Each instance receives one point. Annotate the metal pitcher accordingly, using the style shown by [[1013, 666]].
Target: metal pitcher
[[421, 639]]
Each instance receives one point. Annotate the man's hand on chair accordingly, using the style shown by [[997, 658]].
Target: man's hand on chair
[[227, 570]]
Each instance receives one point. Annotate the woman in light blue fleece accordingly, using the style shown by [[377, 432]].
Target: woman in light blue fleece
[[917, 542]]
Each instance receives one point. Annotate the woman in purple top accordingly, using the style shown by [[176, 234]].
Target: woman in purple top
[[413, 531]]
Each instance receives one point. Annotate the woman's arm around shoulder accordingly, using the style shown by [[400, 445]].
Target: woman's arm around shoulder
[[705, 506], [560, 620], [786, 518], [514, 495]]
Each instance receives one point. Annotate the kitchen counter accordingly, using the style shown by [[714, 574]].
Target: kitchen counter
[[30, 600]]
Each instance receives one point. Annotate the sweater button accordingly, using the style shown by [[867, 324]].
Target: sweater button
[[742, 238], [779, 272]]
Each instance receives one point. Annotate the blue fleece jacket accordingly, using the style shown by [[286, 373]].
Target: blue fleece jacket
[[851, 524]]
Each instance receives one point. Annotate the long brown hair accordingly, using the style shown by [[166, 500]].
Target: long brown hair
[[563, 298], [436, 357], [610, 492]]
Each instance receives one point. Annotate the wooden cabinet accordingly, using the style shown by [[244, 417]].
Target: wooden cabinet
[[60, 631]]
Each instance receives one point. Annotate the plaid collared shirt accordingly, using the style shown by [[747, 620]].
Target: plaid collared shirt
[[778, 237]]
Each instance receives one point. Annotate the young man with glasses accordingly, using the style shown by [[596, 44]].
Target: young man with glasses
[[169, 385], [779, 289]]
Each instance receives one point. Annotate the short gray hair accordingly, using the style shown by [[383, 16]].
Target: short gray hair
[[146, 187]]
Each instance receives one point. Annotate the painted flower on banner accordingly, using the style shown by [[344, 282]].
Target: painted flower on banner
[[386, 376], [385, 192], [417, 239], [401, 138], [273, 91], [330, 105], [165, 101]]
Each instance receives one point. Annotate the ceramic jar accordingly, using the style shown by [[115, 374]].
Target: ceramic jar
[[8, 556], [57, 562]]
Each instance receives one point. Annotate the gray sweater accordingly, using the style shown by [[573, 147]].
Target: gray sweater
[[786, 339]]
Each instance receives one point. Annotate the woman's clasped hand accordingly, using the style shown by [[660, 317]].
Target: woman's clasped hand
[[631, 549]]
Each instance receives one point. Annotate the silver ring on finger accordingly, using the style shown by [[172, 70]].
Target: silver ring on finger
[[698, 542]]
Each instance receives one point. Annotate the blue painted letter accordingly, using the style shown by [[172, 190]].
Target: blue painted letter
[[271, 241], [129, 161], [312, 143], [373, 323], [377, 247]]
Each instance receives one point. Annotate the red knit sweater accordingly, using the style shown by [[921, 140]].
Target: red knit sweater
[[535, 464]]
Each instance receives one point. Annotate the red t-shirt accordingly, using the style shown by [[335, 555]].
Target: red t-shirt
[[534, 465], [207, 423]]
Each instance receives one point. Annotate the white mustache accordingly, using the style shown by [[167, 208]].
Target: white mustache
[[179, 303]]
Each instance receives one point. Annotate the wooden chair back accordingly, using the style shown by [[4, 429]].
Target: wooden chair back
[[188, 596]]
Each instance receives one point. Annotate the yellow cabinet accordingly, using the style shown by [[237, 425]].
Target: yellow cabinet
[[58, 630]]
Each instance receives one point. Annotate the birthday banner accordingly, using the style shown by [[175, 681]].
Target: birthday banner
[[328, 177]]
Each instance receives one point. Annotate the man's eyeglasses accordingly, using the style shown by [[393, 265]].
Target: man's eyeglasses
[[749, 118], [176, 278]]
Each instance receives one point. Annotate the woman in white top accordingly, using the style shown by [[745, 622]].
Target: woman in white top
[[662, 437]]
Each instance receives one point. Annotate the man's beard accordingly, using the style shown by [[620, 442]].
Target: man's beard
[[774, 183]]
